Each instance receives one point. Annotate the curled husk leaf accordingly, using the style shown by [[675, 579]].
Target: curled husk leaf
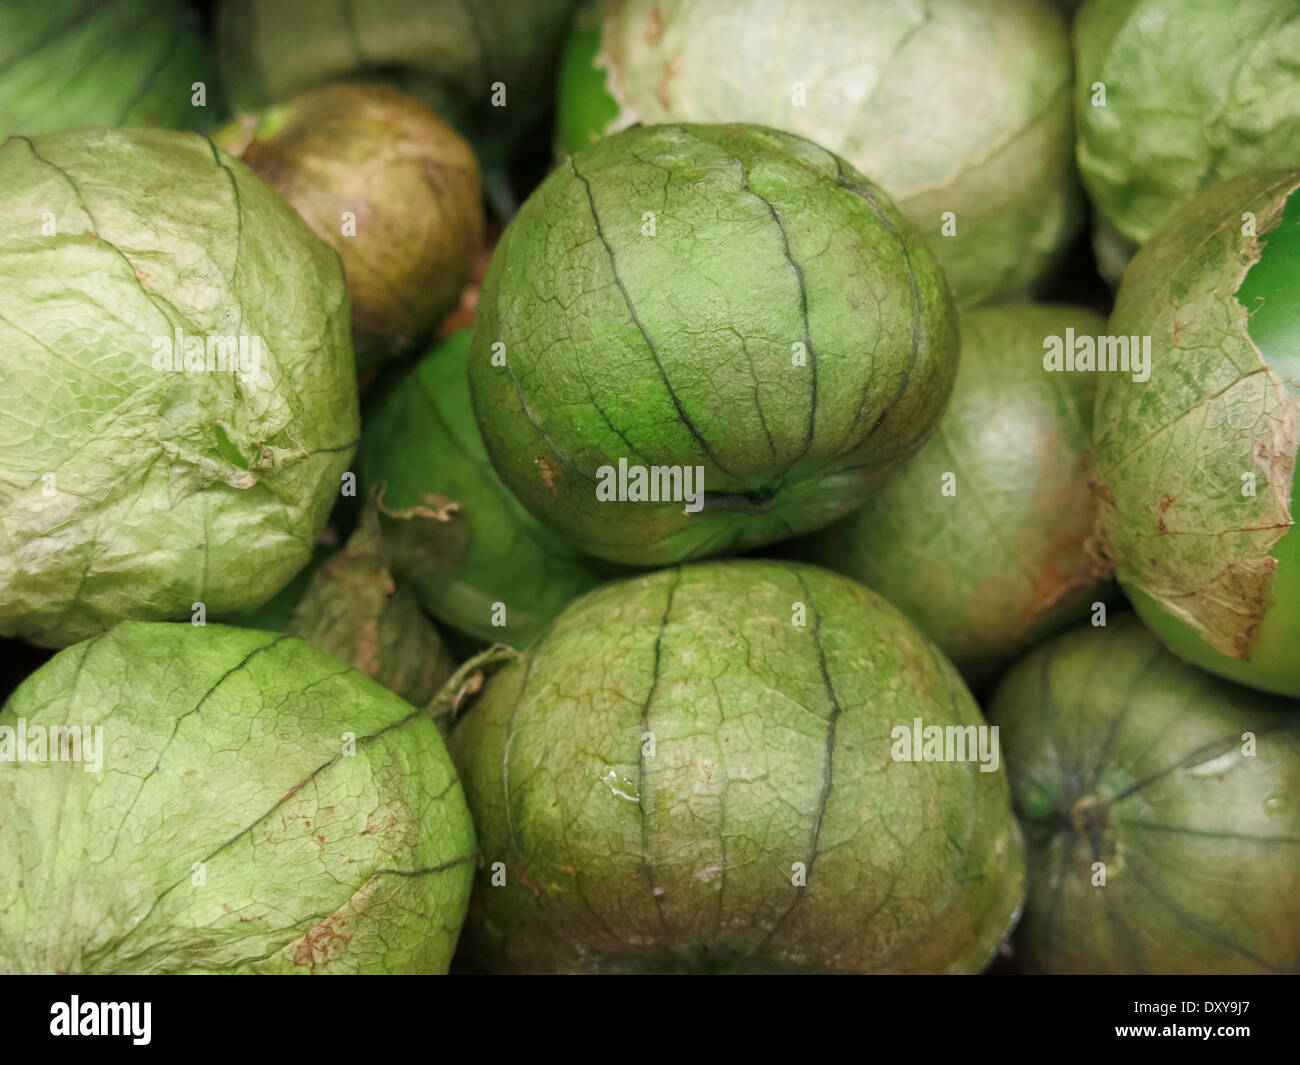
[[1162, 831], [263, 809], [347, 603], [356, 611], [728, 303], [181, 338], [1195, 468], [694, 771]]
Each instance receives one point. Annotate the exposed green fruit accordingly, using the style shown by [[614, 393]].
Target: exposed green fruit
[[485, 566], [177, 394], [584, 110], [959, 109], [695, 770], [68, 63], [261, 810], [983, 538], [1159, 808], [1196, 467], [1174, 95], [468, 54], [731, 304], [390, 185]]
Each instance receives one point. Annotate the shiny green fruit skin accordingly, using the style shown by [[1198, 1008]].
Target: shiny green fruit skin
[[1122, 755], [583, 107], [652, 775], [992, 565], [1195, 91], [959, 109], [728, 298], [1195, 468], [423, 442], [260, 808]]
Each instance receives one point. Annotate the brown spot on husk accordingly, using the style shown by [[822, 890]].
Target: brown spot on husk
[[1062, 573], [654, 26], [322, 942], [664, 90], [548, 469], [1069, 562], [1166, 501]]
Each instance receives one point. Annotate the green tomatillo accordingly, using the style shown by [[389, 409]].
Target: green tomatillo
[[1195, 467], [711, 769], [205, 799], [699, 339], [392, 188], [476, 559], [959, 109], [984, 538], [1159, 806], [178, 399], [1175, 95]]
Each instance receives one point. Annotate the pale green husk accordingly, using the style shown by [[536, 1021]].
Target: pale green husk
[[1196, 91], [1195, 468], [130, 491], [654, 772], [451, 53], [260, 808], [1159, 809], [951, 106], [728, 298]]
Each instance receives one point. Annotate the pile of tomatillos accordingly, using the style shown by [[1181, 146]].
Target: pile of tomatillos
[[649, 486]]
